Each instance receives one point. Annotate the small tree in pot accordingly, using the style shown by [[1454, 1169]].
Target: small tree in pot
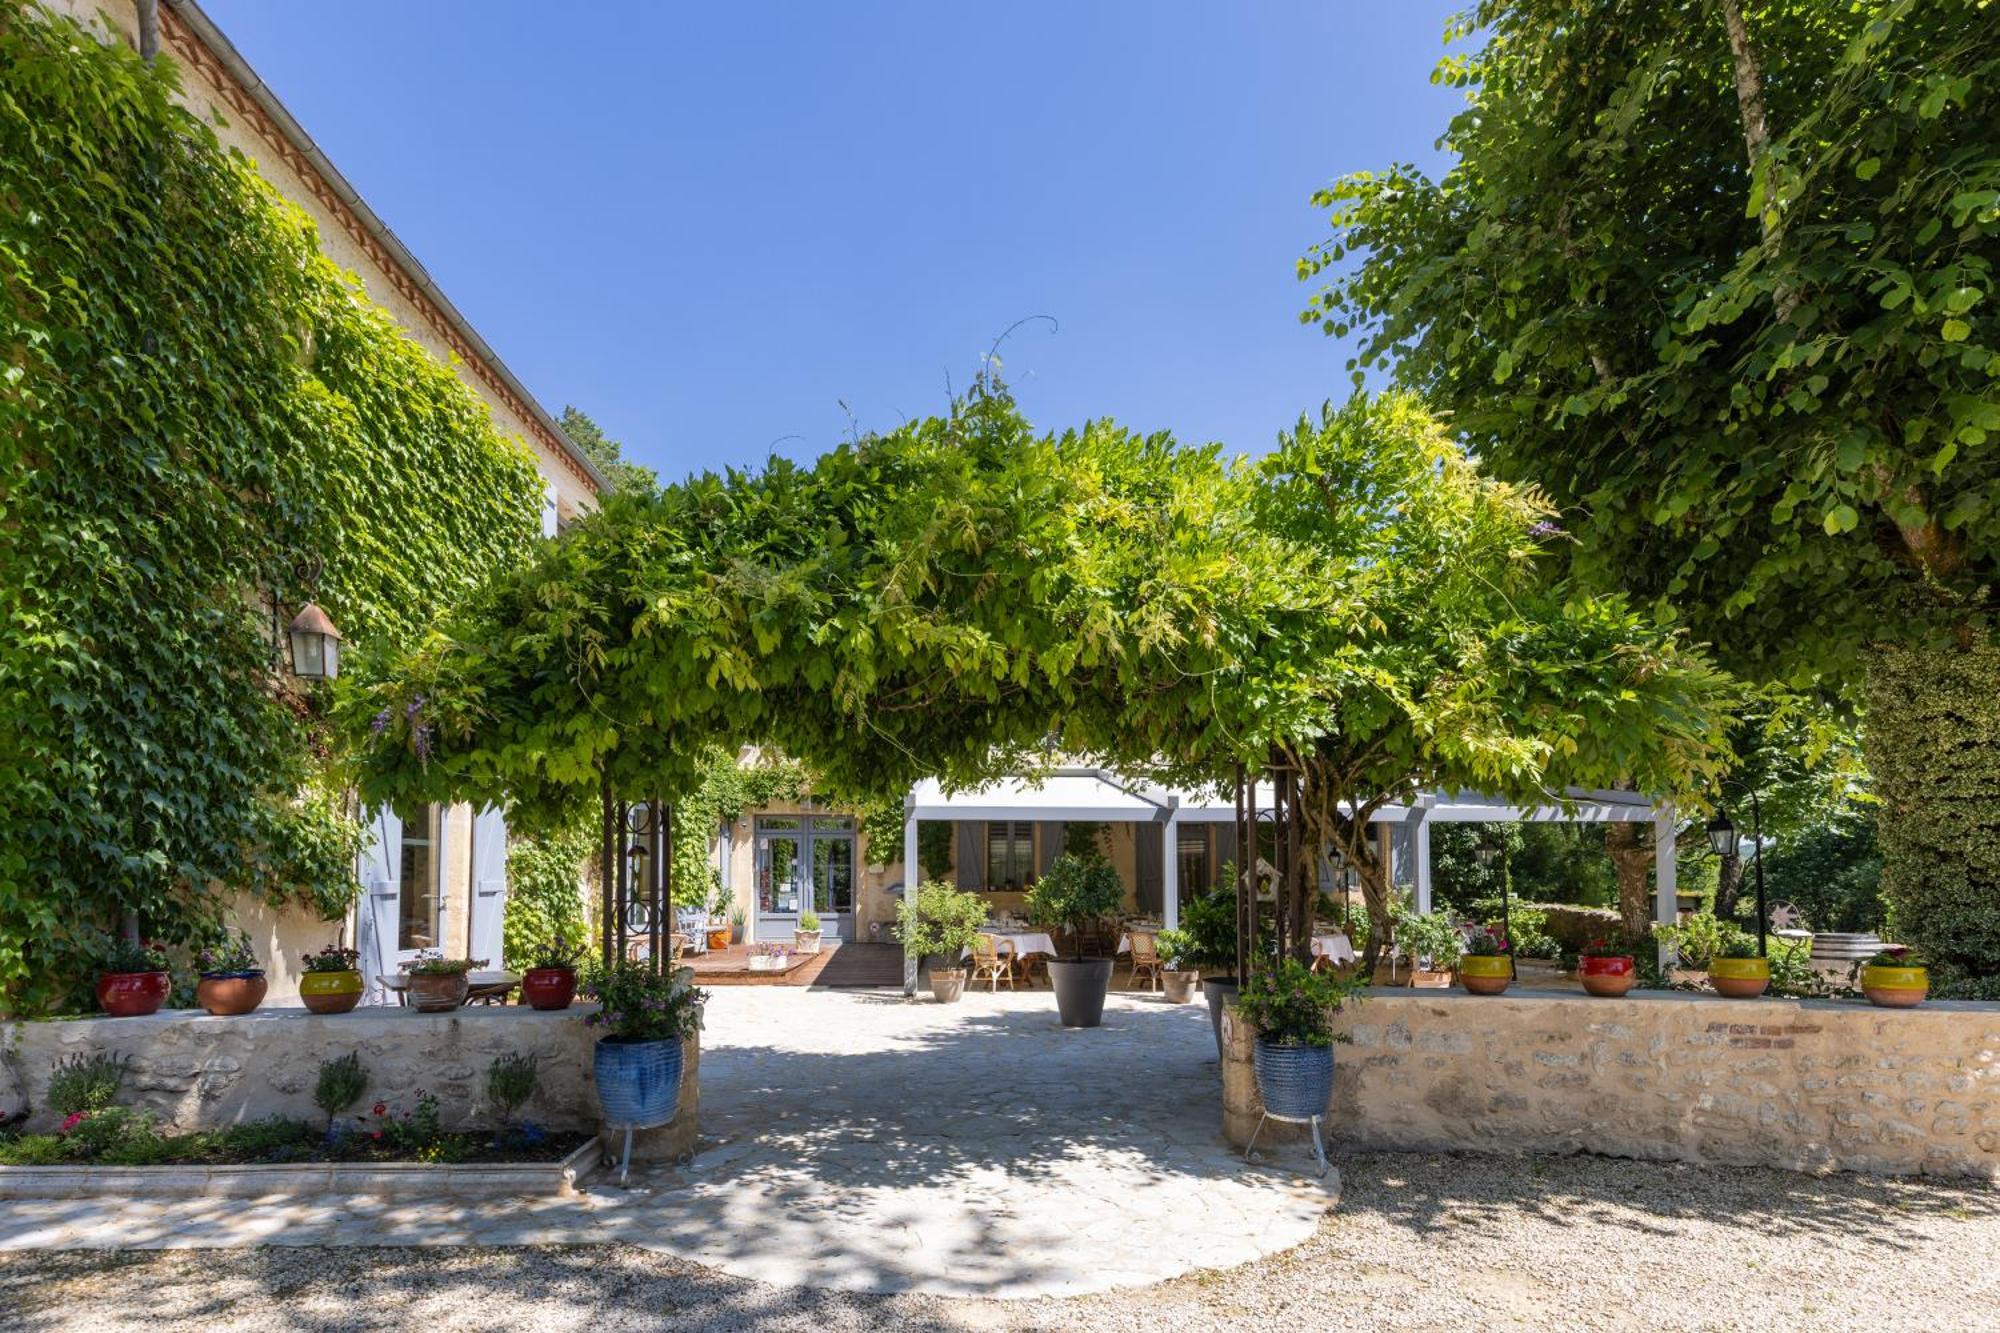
[[940, 924], [1209, 922], [1070, 895], [1178, 972]]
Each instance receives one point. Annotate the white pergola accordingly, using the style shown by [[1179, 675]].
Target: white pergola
[[1095, 795]]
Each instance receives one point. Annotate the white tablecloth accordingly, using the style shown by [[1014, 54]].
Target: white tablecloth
[[1335, 948], [1024, 941]]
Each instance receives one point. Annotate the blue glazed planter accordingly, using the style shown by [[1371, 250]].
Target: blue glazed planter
[[638, 1082], [1296, 1082]]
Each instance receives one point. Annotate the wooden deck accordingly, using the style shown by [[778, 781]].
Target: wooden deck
[[844, 966]]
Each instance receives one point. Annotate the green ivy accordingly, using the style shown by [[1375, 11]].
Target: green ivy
[[195, 405], [1933, 744], [545, 893]]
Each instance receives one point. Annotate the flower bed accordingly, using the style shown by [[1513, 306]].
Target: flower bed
[[125, 1142]]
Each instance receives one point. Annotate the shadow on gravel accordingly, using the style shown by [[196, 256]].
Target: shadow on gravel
[[1436, 1192]]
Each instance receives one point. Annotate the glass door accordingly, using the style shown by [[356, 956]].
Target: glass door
[[833, 875], [781, 862]]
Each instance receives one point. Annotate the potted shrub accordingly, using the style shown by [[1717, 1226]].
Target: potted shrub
[[1737, 970], [232, 982], [133, 981], [550, 982], [1292, 1007], [805, 936], [438, 984], [941, 923], [1486, 965], [1895, 979], [1431, 944], [1070, 895], [645, 1016], [1177, 975], [332, 980], [1210, 925], [1606, 968]]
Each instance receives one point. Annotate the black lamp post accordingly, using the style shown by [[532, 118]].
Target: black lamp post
[[1722, 839]]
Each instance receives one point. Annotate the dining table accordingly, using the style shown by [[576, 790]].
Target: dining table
[[1335, 948]]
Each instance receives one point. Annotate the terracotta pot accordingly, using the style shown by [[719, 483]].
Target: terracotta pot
[[806, 941], [1610, 975], [1895, 987], [227, 994], [435, 993], [1179, 986], [548, 987], [947, 984], [1739, 978], [718, 938], [132, 994], [330, 992], [1486, 974], [1426, 979]]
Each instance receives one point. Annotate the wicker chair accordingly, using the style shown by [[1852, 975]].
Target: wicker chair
[[1146, 963], [992, 962]]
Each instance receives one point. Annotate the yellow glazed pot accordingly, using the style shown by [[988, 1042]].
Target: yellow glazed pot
[[1739, 978], [1485, 974], [1895, 987], [330, 992]]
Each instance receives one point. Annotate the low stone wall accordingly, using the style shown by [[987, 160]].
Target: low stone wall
[[1808, 1085], [197, 1071]]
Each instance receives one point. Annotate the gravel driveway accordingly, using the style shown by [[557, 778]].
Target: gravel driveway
[[1418, 1242]]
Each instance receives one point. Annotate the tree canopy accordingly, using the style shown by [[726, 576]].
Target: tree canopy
[[1719, 274]]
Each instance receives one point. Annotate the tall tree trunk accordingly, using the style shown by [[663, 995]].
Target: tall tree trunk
[[1631, 852], [1320, 804], [1755, 114], [1728, 885]]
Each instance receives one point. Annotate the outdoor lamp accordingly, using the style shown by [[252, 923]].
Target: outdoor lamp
[[315, 644], [1722, 834], [1487, 853]]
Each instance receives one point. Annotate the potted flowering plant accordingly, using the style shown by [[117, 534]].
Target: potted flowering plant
[[1177, 977], [332, 980], [645, 1016], [1431, 944], [1737, 970], [1292, 1008], [1486, 967], [769, 956], [438, 984], [133, 981], [805, 936], [232, 981], [1895, 979], [550, 982], [1070, 895], [1606, 968], [940, 923]]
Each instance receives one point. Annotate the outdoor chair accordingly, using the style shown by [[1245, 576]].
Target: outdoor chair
[[992, 962], [1146, 962]]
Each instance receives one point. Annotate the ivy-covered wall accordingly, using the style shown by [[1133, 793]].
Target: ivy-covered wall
[[194, 405], [1933, 745]]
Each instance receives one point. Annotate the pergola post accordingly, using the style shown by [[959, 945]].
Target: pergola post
[[1170, 878], [911, 873], [1420, 857], [1665, 873]]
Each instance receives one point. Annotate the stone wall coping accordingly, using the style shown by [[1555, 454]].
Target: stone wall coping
[[280, 1013], [1534, 995]]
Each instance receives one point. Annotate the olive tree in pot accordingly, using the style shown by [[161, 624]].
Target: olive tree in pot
[[1177, 972], [1072, 893], [1209, 922], [940, 923]]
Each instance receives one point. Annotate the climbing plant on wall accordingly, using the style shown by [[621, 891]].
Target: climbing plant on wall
[[195, 406]]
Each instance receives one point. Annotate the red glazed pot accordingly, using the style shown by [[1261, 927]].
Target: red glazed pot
[[1611, 975], [131, 994], [549, 987]]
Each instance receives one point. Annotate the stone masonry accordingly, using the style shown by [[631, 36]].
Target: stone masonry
[[196, 1071], [1815, 1085]]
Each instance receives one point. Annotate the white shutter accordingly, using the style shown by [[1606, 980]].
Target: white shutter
[[489, 884], [375, 937], [548, 510]]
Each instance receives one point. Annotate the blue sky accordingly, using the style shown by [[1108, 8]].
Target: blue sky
[[708, 226]]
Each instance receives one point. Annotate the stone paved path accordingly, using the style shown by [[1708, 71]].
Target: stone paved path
[[854, 1141]]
